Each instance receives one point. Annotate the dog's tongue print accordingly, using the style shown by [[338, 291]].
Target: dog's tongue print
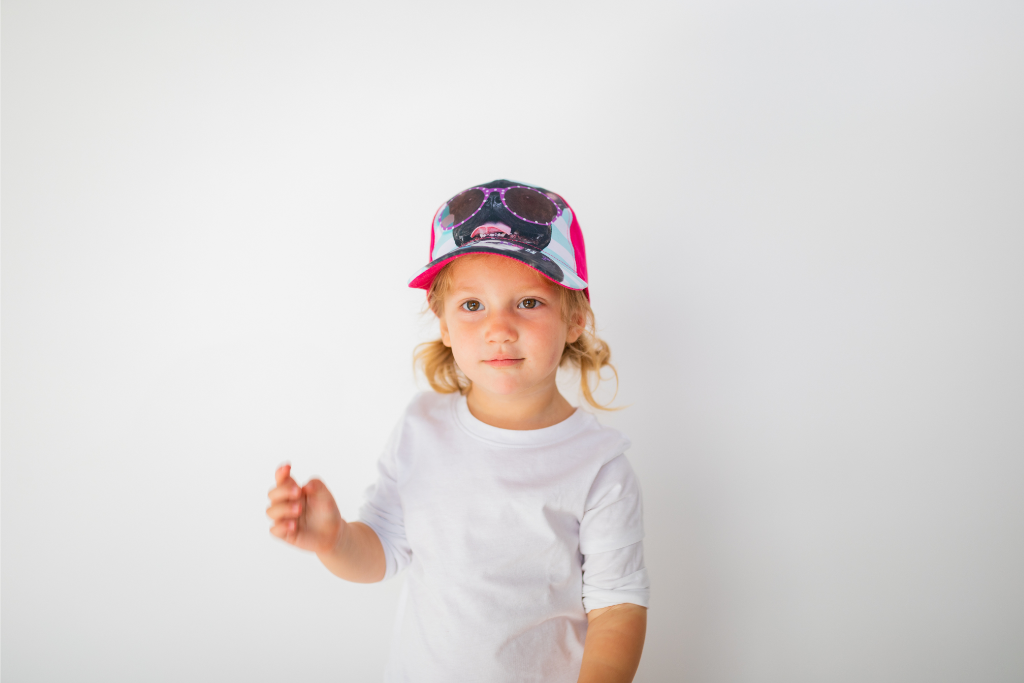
[[491, 229]]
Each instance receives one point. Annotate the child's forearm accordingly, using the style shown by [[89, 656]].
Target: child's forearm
[[615, 641], [357, 556]]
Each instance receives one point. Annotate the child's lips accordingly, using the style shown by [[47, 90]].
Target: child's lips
[[503, 362]]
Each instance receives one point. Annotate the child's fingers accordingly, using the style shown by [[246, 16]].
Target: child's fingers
[[283, 480], [285, 530], [284, 492], [284, 510]]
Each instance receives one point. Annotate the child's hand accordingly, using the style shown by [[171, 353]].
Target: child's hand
[[306, 517]]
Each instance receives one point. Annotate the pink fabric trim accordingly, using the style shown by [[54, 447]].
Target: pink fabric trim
[[579, 249], [423, 280], [430, 257]]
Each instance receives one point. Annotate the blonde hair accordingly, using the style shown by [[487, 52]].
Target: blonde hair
[[588, 354]]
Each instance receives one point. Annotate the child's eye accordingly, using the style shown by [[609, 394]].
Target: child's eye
[[471, 306], [529, 303]]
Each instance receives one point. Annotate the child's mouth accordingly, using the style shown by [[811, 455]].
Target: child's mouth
[[503, 362]]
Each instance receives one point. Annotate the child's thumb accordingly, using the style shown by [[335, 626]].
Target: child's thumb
[[313, 487]]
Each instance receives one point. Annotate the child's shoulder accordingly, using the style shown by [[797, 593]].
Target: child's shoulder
[[429, 402], [430, 407], [613, 443]]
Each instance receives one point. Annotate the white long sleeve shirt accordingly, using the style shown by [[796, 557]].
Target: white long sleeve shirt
[[510, 537]]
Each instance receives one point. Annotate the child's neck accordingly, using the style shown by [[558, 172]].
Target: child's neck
[[536, 410]]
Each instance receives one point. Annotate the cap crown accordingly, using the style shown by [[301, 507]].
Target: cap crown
[[499, 221]]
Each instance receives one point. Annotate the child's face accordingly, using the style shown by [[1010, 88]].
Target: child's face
[[504, 324]]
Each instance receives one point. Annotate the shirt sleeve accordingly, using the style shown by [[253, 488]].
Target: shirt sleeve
[[613, 515], [614, 577], [611, 535], [382, 510]]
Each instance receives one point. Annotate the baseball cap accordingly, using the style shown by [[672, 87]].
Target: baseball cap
[[519, 221]]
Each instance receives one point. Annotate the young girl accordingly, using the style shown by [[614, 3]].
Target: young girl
[[518, 516]]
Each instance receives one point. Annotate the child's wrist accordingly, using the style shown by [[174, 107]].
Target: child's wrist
[[336, 545]]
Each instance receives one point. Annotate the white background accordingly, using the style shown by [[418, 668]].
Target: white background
[[805, 228]]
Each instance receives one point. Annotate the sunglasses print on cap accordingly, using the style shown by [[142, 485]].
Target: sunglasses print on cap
[[522, 202]]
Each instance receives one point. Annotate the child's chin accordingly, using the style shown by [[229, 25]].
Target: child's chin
[[501, 386]]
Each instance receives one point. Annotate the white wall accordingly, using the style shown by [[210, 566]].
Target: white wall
[[805, 227]]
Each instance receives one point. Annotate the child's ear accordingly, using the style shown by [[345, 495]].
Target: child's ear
[[576, 331], [445, 338]]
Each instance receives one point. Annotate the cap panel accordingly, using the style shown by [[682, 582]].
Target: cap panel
[[432, 231], [561, 244]]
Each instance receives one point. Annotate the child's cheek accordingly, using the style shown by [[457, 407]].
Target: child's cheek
[[461, 351]]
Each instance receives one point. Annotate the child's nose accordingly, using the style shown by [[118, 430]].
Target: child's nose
[[500, 328]]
